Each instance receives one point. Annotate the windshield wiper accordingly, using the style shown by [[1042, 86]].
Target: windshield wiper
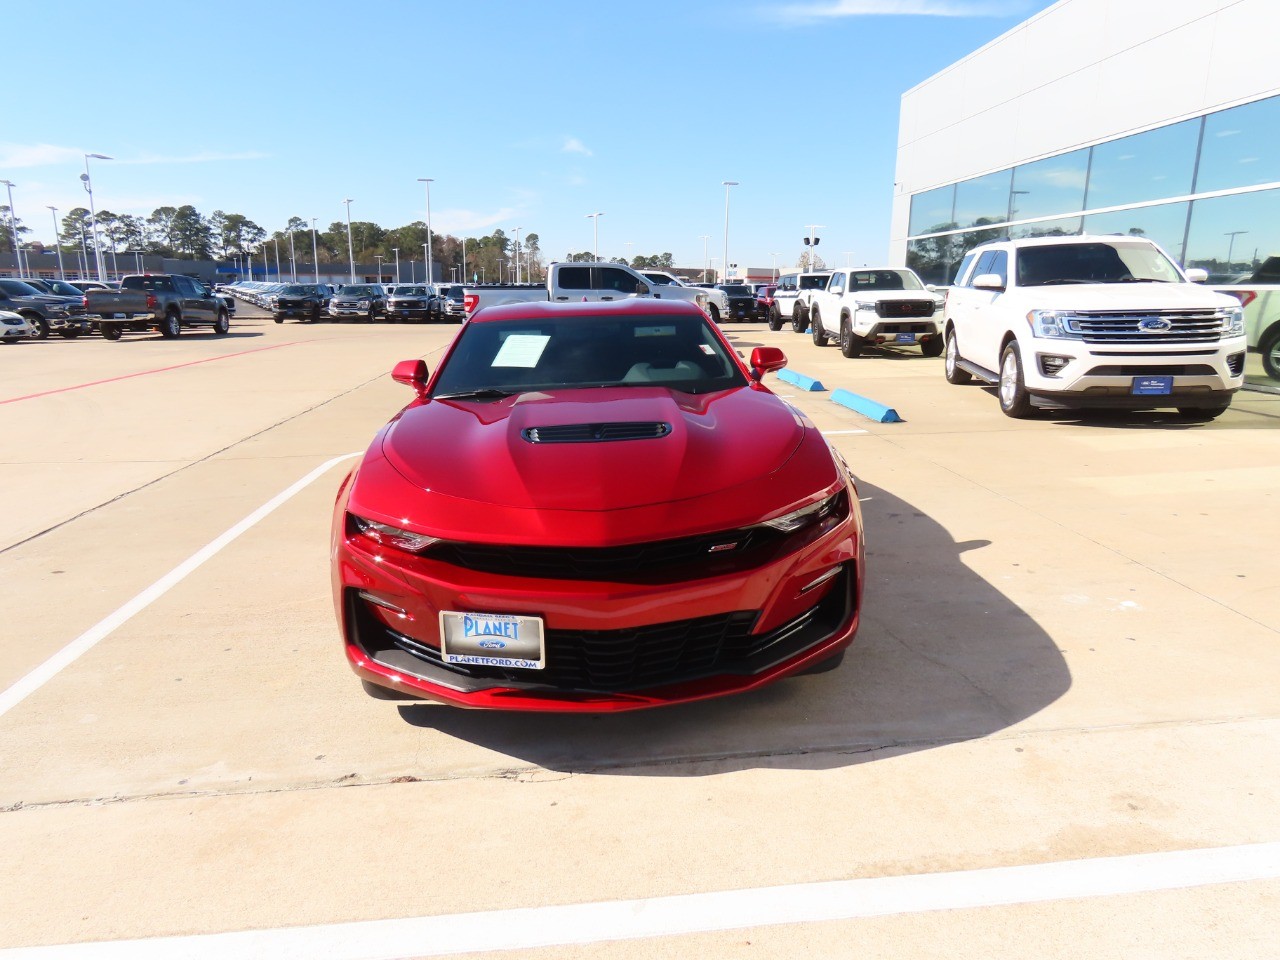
[[1138, 280], [487, 393], [1057, 280]]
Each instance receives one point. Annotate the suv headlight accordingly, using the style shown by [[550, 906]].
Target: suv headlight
[[390, 536], [1054, 324], [864, 304], [1233, 322], [362, 304]]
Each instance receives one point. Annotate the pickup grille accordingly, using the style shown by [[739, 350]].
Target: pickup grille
[[904, 308], [1180, 326]]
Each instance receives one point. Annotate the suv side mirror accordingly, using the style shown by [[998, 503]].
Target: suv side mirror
[[1197, 275], [989, 281], [412, 373]]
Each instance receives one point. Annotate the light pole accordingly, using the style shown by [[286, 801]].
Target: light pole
[[351, 250], [726, 184], [293, 256], [315, 254], [431, 267], [704, 238], [88, 185], [396, 251], [57, 242], [517, 252], [13, 225], [1230, 246], [426, 259], [464, 259], [775, 267], [813, 241], [378, 257], [275, 242], [595, 232]]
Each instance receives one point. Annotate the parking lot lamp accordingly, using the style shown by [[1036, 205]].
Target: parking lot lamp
[[57, 242], [88, 185], [315, 255], [378, 257], [727, 184], [775, 267], [293, 256], [1231, 246], [813, 241], [396, 251], [704, 238], [13, 224], [517, 251], [595, 233], [431, 269], [351, 250], [464, 259], [275, 242]]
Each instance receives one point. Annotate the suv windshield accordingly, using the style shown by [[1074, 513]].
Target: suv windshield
[[358, 290], [736, 290], [1093, 262], [19, 288], [814, 283], [884, 280], [411, 291], [295, 290], [580, 351]]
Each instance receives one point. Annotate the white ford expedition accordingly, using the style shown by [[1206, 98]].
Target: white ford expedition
[[880, 305], [1092, 321]]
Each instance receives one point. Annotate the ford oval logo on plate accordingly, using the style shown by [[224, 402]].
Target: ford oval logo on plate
[[1154, 325], [491, 645]]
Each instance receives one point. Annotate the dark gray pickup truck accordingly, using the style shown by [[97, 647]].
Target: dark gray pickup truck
[[163, 301]]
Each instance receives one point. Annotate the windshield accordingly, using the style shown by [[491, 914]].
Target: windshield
[[814, 283], [884, 280], [18, 288], [455, 293], [358, 290], [661, 279], [63, 289], [1094, 262], [411, 291], [295, 290], [515, 356], [736, 290]]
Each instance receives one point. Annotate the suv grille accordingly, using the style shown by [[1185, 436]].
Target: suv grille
[[1184, 326], [905, 308]]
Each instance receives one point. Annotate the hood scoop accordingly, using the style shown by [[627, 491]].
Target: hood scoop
[[596, 432]]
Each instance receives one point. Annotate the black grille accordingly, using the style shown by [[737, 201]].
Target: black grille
[[1183, 326], [606, 563], [1158, 370], [905, 308], [596, 432]]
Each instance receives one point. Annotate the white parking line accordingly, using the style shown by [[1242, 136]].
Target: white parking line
[[585, 923], [42, 674], [841, 433]]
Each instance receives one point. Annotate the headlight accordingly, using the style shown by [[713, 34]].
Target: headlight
[[1053, 324], [362, 304], [796, 519], [390, 536], [1233, 322], [864, 304]]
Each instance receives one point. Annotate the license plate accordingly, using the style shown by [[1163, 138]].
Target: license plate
[[1152, 386], [906, 338], [492, 640]]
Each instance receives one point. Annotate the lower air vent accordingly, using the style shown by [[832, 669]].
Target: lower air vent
[[595, 432]]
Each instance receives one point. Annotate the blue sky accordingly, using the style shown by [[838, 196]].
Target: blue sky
[[524, 114]]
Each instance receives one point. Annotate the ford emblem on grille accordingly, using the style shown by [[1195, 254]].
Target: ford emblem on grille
[[1154, 325]]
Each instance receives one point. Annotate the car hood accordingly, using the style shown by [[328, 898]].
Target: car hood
[[477, 451], [1124, 296]]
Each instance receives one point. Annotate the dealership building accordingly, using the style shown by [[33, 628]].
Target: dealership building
[[1158, 118]]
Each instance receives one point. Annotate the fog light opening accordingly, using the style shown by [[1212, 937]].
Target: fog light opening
[[1051, 364]]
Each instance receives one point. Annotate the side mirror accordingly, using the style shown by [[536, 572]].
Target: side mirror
[[412, 373], [1197, 275], [989, 281], [766, 360], [931, 287]]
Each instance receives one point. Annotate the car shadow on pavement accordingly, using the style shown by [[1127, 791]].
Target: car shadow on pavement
[[941, 657]]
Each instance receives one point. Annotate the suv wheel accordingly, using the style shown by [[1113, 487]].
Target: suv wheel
[[1014, 399], [932, 347], [955, 373], [799, 319], [1269, 347], [714, 312], [171, 325], [775, 318], [819, 332], [850, 342], [223, 324]]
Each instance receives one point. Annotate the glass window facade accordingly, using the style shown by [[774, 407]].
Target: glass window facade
[[1235, 237]]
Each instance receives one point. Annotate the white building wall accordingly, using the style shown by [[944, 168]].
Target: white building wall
[[1078, 73]]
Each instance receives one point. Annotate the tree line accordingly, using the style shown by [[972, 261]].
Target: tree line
[[183, 233]]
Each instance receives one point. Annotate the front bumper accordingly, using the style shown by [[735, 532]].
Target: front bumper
[[610, 646], [353, 311]]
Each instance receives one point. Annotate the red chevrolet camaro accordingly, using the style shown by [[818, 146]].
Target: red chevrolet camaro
[[594, 507]]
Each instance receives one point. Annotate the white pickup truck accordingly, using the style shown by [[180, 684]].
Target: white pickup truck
[[1092, 321], [879, 305], [568, 282], [717, 300]]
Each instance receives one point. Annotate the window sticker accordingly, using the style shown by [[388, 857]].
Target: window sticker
[[706, 348], [521, 350], [655, 331]]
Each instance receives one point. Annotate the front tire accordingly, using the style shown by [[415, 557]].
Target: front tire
[[39, 327], [775, 319], [1269, 347], [931, 347], [819, 332], [68, 334], [1014, 400], [171, 325], [111, 331], [954, 372], [222, 325], [714, 312], [799, 319], [850, 342]]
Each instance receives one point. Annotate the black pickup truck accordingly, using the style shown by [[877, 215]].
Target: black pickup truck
[[167, 302]]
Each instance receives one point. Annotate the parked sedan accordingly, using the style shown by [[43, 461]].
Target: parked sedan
[[13, 327], [364, 300], [594, 507]]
